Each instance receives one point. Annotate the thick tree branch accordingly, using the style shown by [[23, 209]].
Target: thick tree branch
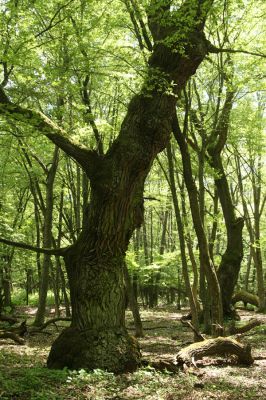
[[85, 157], [6, 73], [135, 24], [21, 245]]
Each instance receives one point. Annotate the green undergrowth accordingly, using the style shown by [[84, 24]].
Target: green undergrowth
[[23, 379]]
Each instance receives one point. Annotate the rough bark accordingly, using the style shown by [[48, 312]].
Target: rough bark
[[97, 337]]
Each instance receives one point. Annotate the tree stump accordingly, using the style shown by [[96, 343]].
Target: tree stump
[[215, 347]]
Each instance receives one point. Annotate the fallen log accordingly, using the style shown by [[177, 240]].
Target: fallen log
[[235, 330], [13, 336], [220, 346], [9, 319], [246, 297], [20, 330], [36, 329]]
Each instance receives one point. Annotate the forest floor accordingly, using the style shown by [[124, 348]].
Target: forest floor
[[24, 376]]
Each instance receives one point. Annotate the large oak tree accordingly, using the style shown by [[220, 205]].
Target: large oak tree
[[97, 337]]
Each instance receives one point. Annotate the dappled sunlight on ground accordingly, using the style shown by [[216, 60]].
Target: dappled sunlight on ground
[[24, 376]]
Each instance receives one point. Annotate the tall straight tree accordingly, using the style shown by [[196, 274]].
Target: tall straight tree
[[97, 337]]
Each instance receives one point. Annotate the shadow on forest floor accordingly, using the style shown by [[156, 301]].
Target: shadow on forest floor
[[23, 375]]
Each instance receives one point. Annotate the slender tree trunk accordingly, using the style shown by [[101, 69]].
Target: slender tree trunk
[[47, 241], [189, 244], [214, 225], [213, 285], [229, 267], [133, 305], [253, 230], [256, 186], [182, 242]]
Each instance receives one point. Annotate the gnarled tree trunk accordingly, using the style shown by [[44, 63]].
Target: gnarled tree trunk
[[97, 337]]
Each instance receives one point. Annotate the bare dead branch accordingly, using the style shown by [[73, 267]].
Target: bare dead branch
[[49, 322], [199, 336]]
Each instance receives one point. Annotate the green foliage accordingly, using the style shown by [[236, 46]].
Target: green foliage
[[19, 298]]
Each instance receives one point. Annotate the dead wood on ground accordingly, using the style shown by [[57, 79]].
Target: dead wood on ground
[[36, 329], [7, 318], [197, 334], [220, 346], [11, 335], [235, 330], [15, 333], [246, 297]]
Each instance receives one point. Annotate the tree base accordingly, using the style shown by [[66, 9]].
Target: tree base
[[111, 350], [230, 313]]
